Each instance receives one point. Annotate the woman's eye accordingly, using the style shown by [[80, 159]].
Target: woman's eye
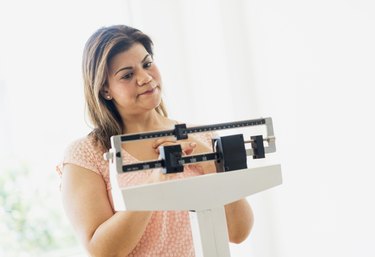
[[127, 76], [147, 65]]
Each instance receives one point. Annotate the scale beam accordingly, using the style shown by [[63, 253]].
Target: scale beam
[[257, 150], [182, 131]]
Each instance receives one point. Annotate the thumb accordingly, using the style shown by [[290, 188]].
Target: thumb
[[189, 148]]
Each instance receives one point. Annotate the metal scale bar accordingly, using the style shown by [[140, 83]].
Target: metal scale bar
[[181, 132], [160, 163], [198, 129]]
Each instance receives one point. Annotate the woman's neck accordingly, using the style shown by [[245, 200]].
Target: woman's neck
[[146, 122]]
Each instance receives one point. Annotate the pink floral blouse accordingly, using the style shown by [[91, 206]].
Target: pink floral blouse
[[168, 232]]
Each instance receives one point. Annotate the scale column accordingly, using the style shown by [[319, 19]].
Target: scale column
[[212, 238]]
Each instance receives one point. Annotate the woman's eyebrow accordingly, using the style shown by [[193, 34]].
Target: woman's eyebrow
[[144, 59], [129, 68], [124, 68]]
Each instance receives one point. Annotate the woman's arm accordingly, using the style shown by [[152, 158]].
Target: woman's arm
[[239, 214], [86, 203], [240, 220]]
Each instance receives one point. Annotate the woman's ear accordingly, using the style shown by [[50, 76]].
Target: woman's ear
[[105, 93]]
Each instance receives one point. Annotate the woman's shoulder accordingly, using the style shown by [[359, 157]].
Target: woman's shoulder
[[85, 152], [84, 144], [85, 148]]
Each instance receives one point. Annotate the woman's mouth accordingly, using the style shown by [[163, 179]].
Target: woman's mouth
[[149, 92]]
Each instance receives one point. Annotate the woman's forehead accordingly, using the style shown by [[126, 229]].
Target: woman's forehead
[[134, 55]]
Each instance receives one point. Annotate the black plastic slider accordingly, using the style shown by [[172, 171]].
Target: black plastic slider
[[258, 146], [180, 131], [231, 153], [171, 154]]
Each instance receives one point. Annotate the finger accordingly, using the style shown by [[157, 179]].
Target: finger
[[161, 141], [193, 144], [186, 148], [189, 148], [157, 150], [188, 151]]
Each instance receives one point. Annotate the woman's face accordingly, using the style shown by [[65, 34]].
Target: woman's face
[[134, 81]]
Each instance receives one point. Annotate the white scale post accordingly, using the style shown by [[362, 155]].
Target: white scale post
[[204, 196]]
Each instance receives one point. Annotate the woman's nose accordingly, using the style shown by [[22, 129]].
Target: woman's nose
[[143, 78]]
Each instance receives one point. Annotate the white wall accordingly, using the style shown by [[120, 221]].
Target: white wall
[[309, 65], [314, 66]]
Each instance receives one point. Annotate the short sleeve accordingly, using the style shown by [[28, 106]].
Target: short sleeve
[[83, 153]]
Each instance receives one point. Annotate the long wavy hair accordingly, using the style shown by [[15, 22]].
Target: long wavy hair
[[100, 48]]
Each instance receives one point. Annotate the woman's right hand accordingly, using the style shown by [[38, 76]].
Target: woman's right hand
[[186, 146], [187, 149]]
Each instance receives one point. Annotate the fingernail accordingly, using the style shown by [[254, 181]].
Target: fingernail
[[193, 144]]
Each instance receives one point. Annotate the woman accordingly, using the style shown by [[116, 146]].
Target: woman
[[123, 95]]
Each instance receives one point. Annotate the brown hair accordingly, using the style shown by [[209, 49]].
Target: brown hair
[[103, 45]]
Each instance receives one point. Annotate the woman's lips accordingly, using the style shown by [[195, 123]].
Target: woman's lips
[[149, 92]]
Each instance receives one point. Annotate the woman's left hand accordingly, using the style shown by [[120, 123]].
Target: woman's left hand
[[186, 146]]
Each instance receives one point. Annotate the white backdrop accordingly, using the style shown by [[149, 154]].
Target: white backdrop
[[307, 64]]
